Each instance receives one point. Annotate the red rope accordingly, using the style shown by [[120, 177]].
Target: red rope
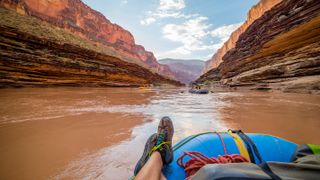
[[198, 160], [223, 144]]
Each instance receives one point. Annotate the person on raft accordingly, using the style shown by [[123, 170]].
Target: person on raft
[[157, 153], [305, 163]]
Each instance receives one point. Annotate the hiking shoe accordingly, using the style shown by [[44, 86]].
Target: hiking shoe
[[164, 139], [151, 142]]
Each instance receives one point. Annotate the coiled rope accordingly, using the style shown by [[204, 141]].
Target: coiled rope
[[198, 160]]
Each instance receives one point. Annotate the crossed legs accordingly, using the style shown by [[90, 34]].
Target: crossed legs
[[152, 169]]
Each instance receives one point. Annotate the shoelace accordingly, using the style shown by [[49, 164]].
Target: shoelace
[[160, 138], [160, 143]]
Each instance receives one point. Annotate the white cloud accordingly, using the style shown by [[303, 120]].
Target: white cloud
[[224, 32], [167, 9], [182, 53], [166, 14], [192, 35], [166, 5], [208, 56], [147, 21]]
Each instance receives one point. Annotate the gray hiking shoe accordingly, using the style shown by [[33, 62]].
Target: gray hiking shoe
[[164, 139], [151, 142], [161, 142]]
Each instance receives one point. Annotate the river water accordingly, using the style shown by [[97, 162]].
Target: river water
[[99, 133]]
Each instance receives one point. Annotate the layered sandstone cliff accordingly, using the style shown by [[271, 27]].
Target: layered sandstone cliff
[[35, 53], [78, 18], [279, 50], [255, 12]]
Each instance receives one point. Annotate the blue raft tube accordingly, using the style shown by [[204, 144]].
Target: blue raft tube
[[257, 148]]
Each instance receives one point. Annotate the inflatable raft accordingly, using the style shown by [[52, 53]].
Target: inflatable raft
[[256, 148], [199, 91]]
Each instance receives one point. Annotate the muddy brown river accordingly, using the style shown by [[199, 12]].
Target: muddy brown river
[[99, 133]]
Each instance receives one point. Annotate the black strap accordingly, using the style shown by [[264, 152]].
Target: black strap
[[267, 170], [249, 143], [248, 148], [255, 149]]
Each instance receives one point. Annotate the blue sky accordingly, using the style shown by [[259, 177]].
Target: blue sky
[[182, 29]]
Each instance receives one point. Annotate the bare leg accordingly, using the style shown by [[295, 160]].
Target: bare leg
[[152, 169], [159, 144]]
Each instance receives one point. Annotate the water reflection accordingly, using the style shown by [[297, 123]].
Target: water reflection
[[190, 113], [99, 133]]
